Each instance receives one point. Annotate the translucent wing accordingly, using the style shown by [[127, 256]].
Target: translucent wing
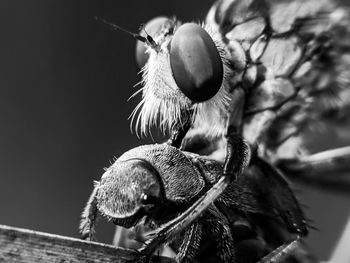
[[297, 66]]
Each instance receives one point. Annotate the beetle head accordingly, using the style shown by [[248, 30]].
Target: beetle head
[[144, 181], [128, 191]]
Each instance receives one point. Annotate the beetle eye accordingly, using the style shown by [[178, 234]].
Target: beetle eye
[[148, 199], [195, 62], [152, 27]]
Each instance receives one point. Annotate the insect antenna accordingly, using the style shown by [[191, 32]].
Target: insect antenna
[[118, 28], [147, 40], [153, 44]]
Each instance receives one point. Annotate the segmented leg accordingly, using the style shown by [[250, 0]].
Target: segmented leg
[[237, 150], [237, 154], [280, 253], [225, 243], [282, 197], [190, 244], [89, 217], [181, 130]]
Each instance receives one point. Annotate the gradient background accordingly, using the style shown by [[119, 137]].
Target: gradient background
[[64, 84]]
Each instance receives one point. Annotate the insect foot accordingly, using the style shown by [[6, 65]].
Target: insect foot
[[160, 186]]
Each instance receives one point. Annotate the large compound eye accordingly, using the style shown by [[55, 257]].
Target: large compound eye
[[152, 28], [196, 63]]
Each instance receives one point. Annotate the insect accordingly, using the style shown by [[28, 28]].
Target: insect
[[156, 183], [248, 82]]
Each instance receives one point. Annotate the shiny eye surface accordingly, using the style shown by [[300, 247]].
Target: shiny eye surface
[[152, 27], [147, 199], [195, 62], [151, 195]]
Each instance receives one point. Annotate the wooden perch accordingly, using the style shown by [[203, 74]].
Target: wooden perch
[[23, 245]]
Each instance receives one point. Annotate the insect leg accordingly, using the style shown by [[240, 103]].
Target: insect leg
[[329, 169], [181, 130], [281, 197], [237, 154], [190, 244], [237, 150], [178, 224], [280, 253], [89, 217], [220, 225]]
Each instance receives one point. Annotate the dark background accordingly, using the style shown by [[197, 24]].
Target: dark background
[[64, 84]]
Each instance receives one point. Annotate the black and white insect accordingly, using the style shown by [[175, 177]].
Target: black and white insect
[[257, 67], [244, 87], [256, 218], [248, 82], [155, 184]]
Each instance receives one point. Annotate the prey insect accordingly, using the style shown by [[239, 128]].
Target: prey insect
[[155, 184]]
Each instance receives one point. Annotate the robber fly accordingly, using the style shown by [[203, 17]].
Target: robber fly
[[155, 184], [250, 80]]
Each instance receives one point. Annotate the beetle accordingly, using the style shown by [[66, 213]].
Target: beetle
[[157, 184]]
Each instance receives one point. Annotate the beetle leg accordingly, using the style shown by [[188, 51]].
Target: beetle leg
[[190, 244], [178, 224], [220, 225], [329, 169], [89, 217]]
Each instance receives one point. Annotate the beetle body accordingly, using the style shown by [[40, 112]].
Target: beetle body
[[158, 182]]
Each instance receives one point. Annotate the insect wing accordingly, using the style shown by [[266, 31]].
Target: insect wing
[[298, 59]]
